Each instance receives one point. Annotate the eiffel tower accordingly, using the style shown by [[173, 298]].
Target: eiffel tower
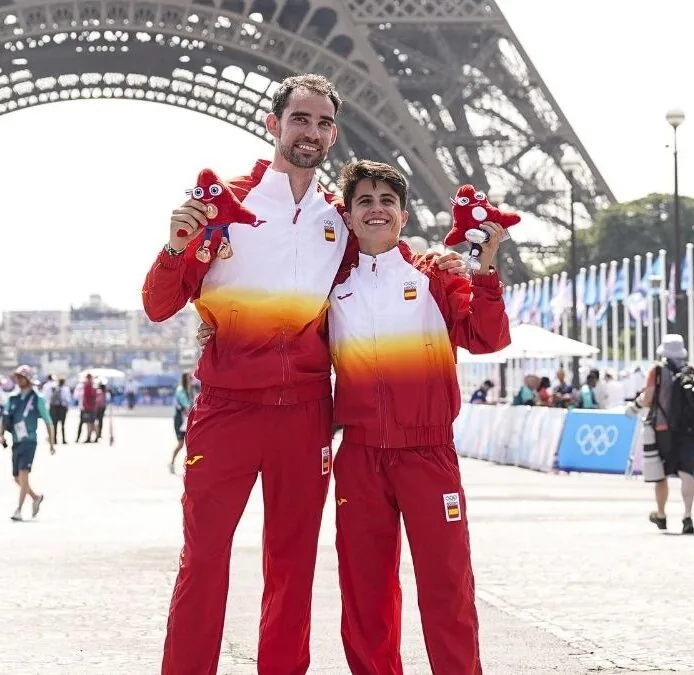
[[442, 87]]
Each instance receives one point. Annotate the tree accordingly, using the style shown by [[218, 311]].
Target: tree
[[632, 228]]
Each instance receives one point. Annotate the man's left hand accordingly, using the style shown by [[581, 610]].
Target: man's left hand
[[452, 263]]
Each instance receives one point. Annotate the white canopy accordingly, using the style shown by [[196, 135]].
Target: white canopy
[[103, 374], [531, 342]]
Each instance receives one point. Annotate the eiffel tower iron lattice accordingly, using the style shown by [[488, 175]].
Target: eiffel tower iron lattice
[[442, 87]]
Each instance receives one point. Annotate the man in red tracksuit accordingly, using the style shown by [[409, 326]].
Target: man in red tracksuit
[[265, 404], [393, 331]]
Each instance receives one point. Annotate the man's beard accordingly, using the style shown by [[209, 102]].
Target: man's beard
[[295, 158]]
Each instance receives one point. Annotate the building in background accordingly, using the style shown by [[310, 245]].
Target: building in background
[[95, 335]]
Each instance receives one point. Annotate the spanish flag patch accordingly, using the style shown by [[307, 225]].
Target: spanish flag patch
[[451, 504], [329, 230], [326, 461], [410, 290]]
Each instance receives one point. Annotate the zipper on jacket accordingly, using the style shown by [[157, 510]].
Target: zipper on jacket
[[285, 362], [380, 385], [284, 357]]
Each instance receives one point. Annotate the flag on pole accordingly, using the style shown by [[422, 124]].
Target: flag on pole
[[591, 296], [591, 292], [580, 292], [637, 301], [620, 291], [561, 299], [545, 308], [517, 303], [672, 296], [686, 273], [607, 294]]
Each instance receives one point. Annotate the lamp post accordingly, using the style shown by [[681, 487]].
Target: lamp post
[[675, 118], [569, 166]]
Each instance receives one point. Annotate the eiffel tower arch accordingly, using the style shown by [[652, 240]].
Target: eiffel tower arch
[[442, 87]]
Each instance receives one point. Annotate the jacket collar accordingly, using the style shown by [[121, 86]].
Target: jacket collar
[[391, 259], [278, 181]]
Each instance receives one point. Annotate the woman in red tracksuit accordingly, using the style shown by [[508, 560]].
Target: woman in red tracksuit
[[393, 331]]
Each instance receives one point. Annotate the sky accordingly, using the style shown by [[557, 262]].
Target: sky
[[87, 187]]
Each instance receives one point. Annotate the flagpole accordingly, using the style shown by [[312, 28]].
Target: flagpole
[[566, 307], [523, 293], [515, 301], [690, 298], [664, 278], [650, 337], [582, 304], [532, 290], [590, 311], [553, 296], [638, 329], [615, 319], [625, 312], [605, 323]]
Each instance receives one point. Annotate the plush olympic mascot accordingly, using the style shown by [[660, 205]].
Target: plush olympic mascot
[[471, 208], [222, 208]]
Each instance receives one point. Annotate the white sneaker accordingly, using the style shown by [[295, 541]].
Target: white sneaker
[[36, 506], [17, 516]]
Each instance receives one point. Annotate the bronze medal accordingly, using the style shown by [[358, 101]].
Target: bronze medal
[[211, 211]]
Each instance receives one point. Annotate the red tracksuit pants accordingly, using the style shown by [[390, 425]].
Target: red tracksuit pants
[[228, 443], [373, 488]]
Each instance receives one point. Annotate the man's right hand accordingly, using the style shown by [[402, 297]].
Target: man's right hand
[[204, 334], [189, 218]]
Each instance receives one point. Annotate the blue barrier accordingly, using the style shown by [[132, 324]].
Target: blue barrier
[[597, 442]]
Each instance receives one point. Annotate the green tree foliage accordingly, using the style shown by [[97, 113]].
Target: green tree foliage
[[633, 228]]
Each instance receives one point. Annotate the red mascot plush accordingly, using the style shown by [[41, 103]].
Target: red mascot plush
[[471, 208], [222, 208]]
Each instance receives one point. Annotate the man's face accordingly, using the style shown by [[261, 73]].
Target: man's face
[[306, 130], [375, 215]]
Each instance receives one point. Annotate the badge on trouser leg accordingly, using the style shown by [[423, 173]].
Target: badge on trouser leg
[[451, 504], [325, 461]]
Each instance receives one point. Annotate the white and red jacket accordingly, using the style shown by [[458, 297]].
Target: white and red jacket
[[394, 324], [268, 302]]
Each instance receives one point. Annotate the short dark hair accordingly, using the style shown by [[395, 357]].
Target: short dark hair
[[317, 84], [365, 169]]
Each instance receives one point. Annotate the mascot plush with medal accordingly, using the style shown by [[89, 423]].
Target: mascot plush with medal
[[471, 208], [222, 208]]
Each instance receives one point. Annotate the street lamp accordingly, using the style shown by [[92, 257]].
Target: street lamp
[[570, 165], [674, 118]]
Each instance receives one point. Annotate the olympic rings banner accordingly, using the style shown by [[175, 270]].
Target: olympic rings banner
[[597, 442], [546, 439]]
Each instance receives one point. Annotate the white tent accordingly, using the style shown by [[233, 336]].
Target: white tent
[[103, 374], [531, 342]]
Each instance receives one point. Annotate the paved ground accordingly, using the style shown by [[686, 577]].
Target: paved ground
[[571, 578]]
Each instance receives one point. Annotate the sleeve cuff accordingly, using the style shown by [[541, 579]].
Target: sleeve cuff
[[170, 262], [490, 281]]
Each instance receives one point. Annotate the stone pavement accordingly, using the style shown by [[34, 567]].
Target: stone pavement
[[571, 578]]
